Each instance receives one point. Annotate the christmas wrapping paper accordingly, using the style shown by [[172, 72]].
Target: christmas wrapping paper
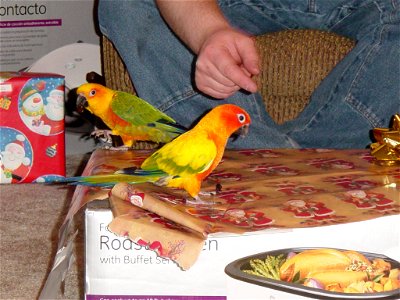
[[261, 190], [32, 142]]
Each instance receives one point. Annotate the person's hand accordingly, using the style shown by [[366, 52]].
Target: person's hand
[[226, 63]]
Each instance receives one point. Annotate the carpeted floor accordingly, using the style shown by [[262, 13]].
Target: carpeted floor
[[30, 217]]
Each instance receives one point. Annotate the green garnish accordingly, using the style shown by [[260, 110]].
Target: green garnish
[[269, 267]]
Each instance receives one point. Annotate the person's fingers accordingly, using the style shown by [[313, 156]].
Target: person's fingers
[[249, 56], [217, 94], [252, 89], [205, 68], [237, 75], [208, 85], [214, 85], [209, 79], [226, 63], [213, 81]]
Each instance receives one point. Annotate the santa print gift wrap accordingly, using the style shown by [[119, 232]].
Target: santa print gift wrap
[[32, 140]]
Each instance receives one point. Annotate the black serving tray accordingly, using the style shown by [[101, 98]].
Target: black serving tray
[[234, 270]]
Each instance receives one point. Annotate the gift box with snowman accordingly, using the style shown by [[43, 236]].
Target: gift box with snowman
[[32, 139]]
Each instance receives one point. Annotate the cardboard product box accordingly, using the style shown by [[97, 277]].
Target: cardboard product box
[[117, 268], [32, 139]]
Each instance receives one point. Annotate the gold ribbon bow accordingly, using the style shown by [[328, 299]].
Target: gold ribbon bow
[[386, 150]]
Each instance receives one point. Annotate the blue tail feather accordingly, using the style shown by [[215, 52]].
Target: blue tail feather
[[109, 180], [140, 172]]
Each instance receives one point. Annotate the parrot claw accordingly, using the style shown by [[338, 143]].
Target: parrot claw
[[120, 148], [106, 137], [218, 189], [197, 201], [208, 194], [102, 133]]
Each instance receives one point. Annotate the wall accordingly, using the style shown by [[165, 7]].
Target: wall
[[31, 29]]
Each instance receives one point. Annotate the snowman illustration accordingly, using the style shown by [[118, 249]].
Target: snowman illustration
[[32, 110], [14, 164], [54, 111]]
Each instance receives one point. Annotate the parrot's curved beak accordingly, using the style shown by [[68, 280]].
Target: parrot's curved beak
[[241, 132], [81, 103]]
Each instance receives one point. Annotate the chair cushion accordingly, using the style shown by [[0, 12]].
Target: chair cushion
[[294, 62]]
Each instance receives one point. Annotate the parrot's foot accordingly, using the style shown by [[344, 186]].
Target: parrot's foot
[[208, 194], [218, 189], [119, 148], [199, 201], [103, 134]]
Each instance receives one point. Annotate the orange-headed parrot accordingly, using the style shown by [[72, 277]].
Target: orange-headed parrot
[[188, 159], [128, 116]]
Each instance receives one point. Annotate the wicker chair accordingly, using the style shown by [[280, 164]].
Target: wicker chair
[[293, 63]]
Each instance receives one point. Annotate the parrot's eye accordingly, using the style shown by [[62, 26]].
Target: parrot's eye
[[92, 93], [241, 118]]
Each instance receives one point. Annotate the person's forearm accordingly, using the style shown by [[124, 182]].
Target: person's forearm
[[193, 20]]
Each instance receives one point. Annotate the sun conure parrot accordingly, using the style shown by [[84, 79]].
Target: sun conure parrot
[[128, 116], [188, 159]]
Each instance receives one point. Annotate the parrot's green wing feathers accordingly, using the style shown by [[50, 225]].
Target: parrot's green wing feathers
[[144, 119], [180, 158], [136, 110]]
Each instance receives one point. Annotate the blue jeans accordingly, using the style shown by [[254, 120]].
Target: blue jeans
[[361, 93]]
